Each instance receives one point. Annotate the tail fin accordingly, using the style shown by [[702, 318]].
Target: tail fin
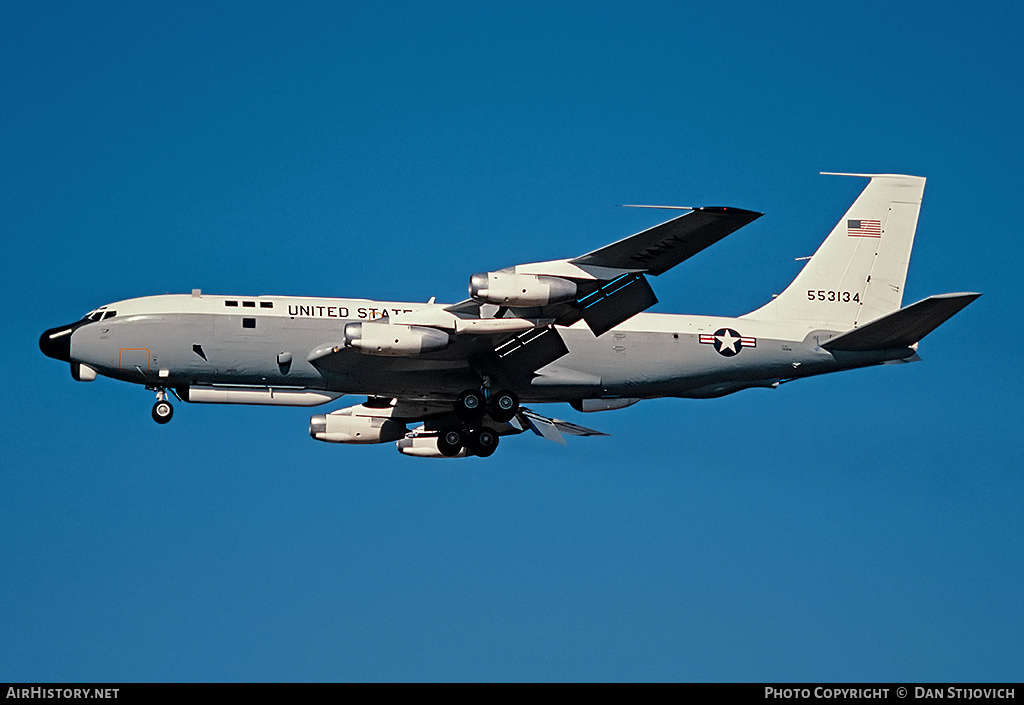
[[858, 273]]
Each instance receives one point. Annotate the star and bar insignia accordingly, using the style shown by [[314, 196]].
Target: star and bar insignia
[[728, 342]]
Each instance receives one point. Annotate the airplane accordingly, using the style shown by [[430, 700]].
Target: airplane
[[570, 330]]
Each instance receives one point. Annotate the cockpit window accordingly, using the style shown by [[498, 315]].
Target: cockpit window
[[99, 314]]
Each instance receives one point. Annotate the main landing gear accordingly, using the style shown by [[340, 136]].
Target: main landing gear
[[482, 441], [471, 407], [162, 410]]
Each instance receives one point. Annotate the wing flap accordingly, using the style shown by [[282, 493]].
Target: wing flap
[[521, 355], [543, 427], [617, 301], [552, 429]]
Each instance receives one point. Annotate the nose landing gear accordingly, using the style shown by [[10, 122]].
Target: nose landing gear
[[162, 410]]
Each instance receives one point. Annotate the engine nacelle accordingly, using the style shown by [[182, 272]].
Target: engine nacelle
[[344, 426], [424, 447], [394, 339], [506, 288], [589, 405]]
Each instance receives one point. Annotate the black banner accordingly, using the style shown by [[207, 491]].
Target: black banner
[[767, 692]]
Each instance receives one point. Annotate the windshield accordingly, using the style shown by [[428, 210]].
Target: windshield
[[99, 314]]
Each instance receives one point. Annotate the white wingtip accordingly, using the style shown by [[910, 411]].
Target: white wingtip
[[866, 176]]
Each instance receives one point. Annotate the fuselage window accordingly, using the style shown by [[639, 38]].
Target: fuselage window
[[230, 303], [248, 323], [266, 304], [249, 304]]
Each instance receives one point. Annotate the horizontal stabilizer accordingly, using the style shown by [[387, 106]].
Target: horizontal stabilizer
[[662, 247], [902, 328]]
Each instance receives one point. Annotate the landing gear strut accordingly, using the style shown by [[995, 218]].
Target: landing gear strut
[[162, 410]]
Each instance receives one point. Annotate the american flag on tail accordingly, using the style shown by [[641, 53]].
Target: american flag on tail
[[864, 228]]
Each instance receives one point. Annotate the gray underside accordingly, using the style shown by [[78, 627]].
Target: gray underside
[[211, 349]]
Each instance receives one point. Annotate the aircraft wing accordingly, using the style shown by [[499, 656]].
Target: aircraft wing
[[508, 328], [608, 284], [662, 247], [508, 356]]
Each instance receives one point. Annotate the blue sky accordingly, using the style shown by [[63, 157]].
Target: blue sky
[[865, 526]]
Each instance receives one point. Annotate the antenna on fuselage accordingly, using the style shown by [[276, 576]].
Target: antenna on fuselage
[[670, 208]]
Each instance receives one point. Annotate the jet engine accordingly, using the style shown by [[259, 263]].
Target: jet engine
[[343, 426], [506, 288], [393, 339], [424, 447], [589, 405]]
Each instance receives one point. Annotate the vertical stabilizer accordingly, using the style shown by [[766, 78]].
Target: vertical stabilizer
[[858, 273]]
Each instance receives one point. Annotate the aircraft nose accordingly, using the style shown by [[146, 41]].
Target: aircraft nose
[[56, 342]]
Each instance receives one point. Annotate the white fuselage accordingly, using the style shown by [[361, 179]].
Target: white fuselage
[[182, 340]]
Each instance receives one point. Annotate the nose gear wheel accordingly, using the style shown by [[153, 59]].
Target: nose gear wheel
[[162, 411]]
